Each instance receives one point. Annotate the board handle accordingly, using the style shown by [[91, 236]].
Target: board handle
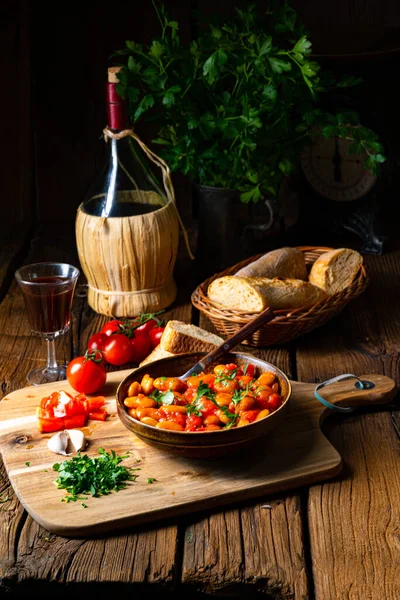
[[345, 396]]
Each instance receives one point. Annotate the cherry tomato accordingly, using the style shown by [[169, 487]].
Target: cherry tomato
[[118, 349], [145, 322], [155, 336], [140, 347], [111, 327], [87, 374], [98, 341]]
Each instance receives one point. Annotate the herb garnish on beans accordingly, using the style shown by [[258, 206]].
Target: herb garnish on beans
[[231, 396]]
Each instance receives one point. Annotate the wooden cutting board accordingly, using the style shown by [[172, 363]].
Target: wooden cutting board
[[296, 454]]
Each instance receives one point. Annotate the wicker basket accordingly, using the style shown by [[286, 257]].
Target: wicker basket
[[287, 325]]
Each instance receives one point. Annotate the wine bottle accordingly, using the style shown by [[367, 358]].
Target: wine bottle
[[127, 185]]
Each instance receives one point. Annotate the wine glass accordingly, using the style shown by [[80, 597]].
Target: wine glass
[[48, 289]]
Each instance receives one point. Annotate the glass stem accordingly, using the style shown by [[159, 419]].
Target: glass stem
[[51, 356]]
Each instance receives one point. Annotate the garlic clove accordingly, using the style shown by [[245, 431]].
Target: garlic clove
[[58, 443], [77, 438]]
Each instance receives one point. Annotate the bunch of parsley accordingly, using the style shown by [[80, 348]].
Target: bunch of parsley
[[235, 107]]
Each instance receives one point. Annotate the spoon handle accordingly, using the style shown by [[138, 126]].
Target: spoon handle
[[245, 331]]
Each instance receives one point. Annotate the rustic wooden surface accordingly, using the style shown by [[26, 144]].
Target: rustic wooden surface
[[328, 541], [302, 455]]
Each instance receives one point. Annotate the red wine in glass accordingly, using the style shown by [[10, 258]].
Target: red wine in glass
[[48, 290], [48, 306]]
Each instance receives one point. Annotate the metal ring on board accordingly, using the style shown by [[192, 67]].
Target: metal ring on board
[[361, 385]]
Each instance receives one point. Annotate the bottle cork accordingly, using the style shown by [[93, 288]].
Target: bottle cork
[[112, 74]]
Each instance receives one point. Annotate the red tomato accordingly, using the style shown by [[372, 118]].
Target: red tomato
[[93, 403], [190, 394], [155, 334], [249, 370], [140, 347], [50, 425], [209, 407], [145, 327], [193, 422], [74, 421], [87, 374], [98, 341], [100, 414], [274, 401], [250, 415], [118, 350], [111, 327]]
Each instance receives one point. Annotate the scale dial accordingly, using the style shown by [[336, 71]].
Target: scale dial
[[333, 172]]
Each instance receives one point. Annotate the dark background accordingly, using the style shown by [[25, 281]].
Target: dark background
[[54, 58]]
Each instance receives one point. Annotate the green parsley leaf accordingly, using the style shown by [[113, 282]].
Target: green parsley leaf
[[151, 479], [96, 476], [28, 464]]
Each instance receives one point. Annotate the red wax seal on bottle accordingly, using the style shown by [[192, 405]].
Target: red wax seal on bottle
[[116, 108]]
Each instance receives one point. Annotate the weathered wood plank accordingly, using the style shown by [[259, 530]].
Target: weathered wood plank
[[252, 546], [354, 521], [355, 516], [27, 551]]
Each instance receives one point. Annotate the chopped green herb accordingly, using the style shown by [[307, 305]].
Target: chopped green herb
[[95, 476], [151, 479], [229, 376], [84, 505], [44, 470], [163, 397], [138, 460], [205, 391], [28, 464], [162, 378], [237, 396]]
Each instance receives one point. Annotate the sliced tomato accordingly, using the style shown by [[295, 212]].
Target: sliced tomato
[[193, 423], [274, 401], [100, 414], [249, 369], [209, 407], [52, 400], [250, 415], [74, 421], [50, 425], [74, 407], [95, 402], [44, 413]]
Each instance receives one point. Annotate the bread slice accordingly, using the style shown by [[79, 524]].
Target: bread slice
[[253, 294], [335, 270], [156, 354], [179, 337], [288, 263]]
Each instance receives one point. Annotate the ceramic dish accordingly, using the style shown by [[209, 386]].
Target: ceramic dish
[[210, 443]]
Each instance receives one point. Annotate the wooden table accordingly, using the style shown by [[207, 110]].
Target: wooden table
[[337, 540]]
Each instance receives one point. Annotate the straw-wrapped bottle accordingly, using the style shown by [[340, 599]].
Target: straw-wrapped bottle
[[127, 229]]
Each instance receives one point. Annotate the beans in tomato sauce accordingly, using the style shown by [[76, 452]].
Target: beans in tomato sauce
[[230, 396]]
